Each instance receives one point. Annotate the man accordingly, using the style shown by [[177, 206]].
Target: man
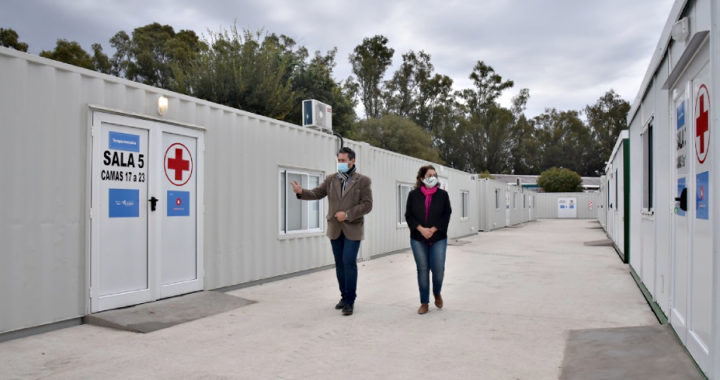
[[350, 198]]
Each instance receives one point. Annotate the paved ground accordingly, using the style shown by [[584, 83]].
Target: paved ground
[[511, 298]]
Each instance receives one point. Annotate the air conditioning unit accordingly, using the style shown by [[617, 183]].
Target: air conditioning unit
[[316, 115]]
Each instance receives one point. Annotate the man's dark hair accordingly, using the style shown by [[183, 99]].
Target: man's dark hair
[[348, 151]]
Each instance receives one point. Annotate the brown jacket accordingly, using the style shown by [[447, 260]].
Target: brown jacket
[[356, 201]]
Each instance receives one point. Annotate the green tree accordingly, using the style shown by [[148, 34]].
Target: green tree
[[369, 62], [485, 124], [486, 174], [489, 85], [565, 139], [416, 93], [560, 180], [451, 141], [525, 148], [398, 135], [101, 62], [249, 71], [9, 38], [69, 52], [154, 53], [606, 118]]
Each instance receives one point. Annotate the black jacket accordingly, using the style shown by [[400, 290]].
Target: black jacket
[[438, 217]]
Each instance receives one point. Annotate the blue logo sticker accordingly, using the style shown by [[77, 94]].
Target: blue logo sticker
[[124, 203], [681, 115], [178, 203], [124, 141], [681, 186], [702, 203]]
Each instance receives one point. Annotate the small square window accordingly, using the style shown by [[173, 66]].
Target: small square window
[[298, 216]]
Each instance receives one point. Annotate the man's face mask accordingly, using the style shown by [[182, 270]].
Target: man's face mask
[[343, 167]]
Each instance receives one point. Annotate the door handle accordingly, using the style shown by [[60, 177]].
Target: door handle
[[153, 202], [682, 199]]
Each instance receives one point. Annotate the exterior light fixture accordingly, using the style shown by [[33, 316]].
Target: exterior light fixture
[[162, 105]]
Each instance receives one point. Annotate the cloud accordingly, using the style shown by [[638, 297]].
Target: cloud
[[568, 53]]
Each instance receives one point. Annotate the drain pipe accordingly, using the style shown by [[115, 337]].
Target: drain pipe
[[342, 142]]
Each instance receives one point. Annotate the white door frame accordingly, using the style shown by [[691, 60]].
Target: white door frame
[[169, 290], [155, 290]]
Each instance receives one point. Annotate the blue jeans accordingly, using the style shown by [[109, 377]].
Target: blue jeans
[[346, 252], [429, 258]]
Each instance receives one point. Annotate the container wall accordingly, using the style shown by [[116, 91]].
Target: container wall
[[46, 108], [547, 204]]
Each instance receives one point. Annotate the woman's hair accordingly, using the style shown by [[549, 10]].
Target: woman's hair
[[421, 175]]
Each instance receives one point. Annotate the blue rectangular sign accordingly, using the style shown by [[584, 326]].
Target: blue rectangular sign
[[178, 203], [124, 141], [681, 115], [681, 186], [702, 203], [124, 203]]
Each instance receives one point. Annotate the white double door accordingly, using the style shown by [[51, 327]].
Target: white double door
[[146, 183], [692, 261]]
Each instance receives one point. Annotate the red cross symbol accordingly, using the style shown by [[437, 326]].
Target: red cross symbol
[[178, 165], [702, 193], [702, 124], [178, 202]]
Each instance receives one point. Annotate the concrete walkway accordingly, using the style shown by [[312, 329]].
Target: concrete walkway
[[511, 298]]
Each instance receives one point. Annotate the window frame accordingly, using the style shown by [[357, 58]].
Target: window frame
[[283, 193], [401, 222], [464, 204], [648, 167]]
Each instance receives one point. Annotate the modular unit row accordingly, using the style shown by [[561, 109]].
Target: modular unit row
[[581, 205], [616, 193], [503, 205], [114, 197], [674, 238]]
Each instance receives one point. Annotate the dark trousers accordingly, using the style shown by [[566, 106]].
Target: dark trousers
[[346, 252]]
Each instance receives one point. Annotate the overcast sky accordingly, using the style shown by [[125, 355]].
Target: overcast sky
[[567, 52]]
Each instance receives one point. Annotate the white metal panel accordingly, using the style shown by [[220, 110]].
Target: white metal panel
[[635, 209], [699, 326], [715, 147], [547, 206], [663, 162], [122, 271], [671, 253], [42, 276]]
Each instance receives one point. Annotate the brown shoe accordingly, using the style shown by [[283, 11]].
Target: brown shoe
[[423, 309], [438, 301]]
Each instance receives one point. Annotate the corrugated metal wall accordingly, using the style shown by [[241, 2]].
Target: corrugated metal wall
[[46, 113], [503, 205], [43, 222], [602, 206], [547, 206]]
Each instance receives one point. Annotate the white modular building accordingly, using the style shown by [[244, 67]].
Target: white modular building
[[603, 203], [578, 205], [119, 193], [674, 231], [617, 195], [503, 205]]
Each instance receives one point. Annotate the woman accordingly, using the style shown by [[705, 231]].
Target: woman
[[428, 214]]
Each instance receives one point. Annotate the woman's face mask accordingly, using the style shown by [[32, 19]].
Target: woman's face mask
[[430, 181]]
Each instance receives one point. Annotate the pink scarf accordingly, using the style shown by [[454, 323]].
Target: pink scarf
[[428, 198]]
